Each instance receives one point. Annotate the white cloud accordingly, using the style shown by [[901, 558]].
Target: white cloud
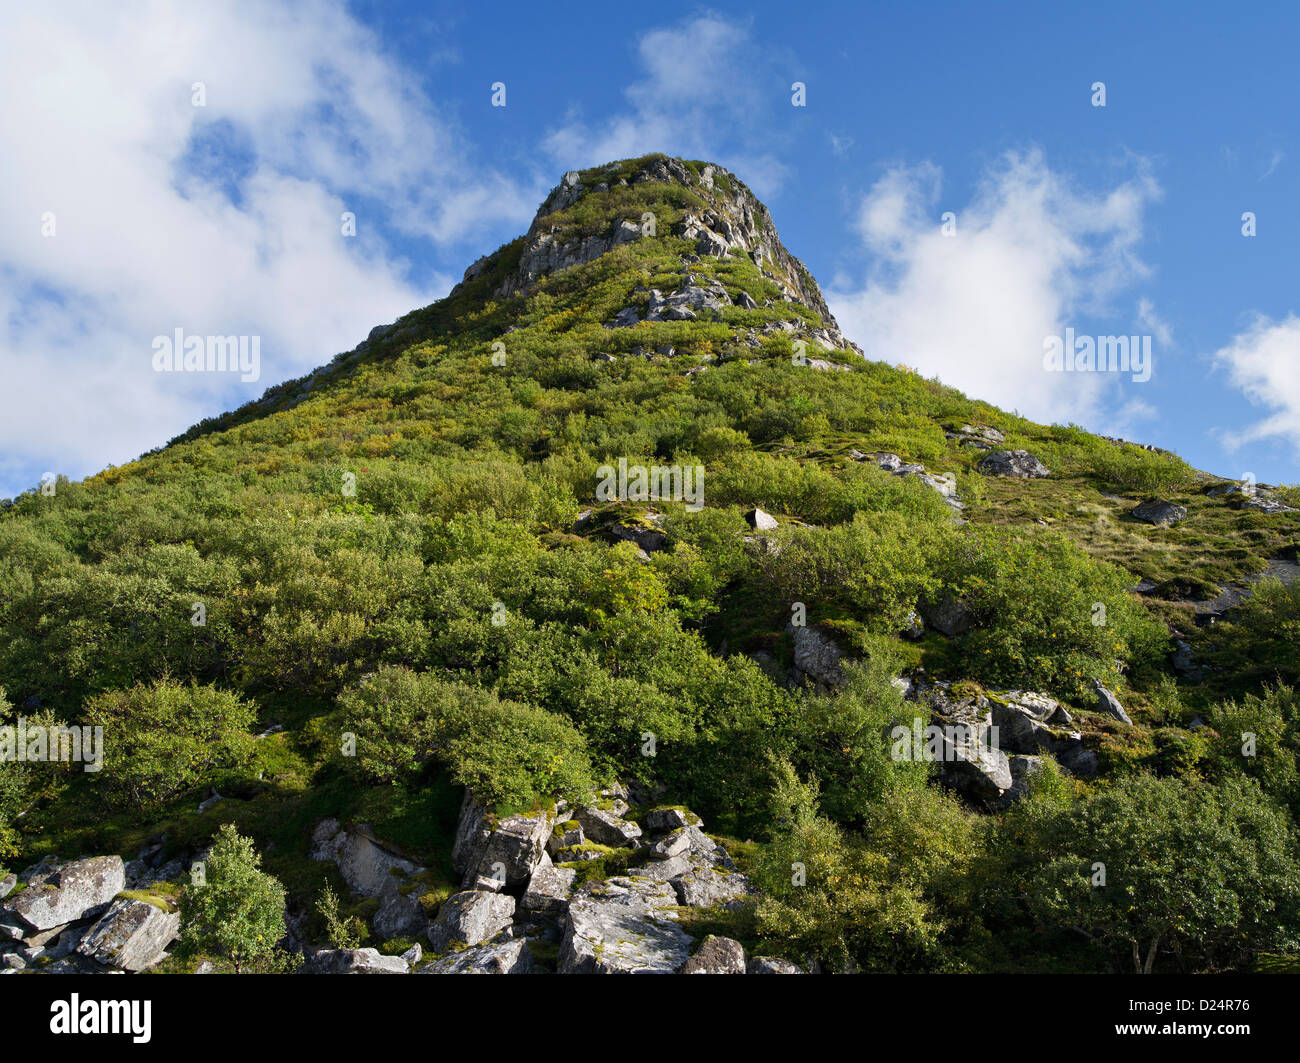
[[1157, 326], [223, 219], [1031, 256], [1274, 161], [1264, 362], [706, 91]]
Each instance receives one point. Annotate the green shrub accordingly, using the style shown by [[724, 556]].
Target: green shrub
[[1259, 736], [1196, 877], [829, 898], [1129, 468], [511, 755], [1046, 615], [166, 738], [1260, 636]]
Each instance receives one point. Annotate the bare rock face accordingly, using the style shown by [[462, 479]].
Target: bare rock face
[[513, 845], [707, 887], [623, 926], [548, 889], [81, 889], [1019, 464], [132, 935], [1155, 511], [980, 772], [355, 961], [670, 818], [504, 957], [818, 657], [373, 871], [717, 955], [470, 917], [607, 827]]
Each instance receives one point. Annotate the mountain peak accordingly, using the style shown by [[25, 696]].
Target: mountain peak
[[592, 212]]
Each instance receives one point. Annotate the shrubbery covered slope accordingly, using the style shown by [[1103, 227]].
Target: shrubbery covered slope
[[407, 547]]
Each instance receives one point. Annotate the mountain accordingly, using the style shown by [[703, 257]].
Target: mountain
[[483, 624]]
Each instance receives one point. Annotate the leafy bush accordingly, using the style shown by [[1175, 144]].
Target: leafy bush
[[1259, 736], [829, 898], [1129, 468], [875, 568], [166, 738], [511, 755], [1046, 615], [1196, 877], [1260, 636]]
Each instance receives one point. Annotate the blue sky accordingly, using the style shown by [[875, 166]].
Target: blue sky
[[225, 218]]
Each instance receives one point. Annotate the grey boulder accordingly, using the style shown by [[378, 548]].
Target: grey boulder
[[623, 926], [132, 935], [949, 616], [772, 965], [1160, 513], [504, 957], [667, 819], [81, 889], [1019, 464], [548, 889], [817, 657], [470, 917], [717, 955], [1109, 704], [605, 827], [355, 961], [513, 846]]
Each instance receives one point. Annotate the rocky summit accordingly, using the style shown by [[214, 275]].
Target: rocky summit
[[617, 614]]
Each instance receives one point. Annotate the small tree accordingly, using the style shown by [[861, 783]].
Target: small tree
[[340, 932], [1203, 875], [233, 909]]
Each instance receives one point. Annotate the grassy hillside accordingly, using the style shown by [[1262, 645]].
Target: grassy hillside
[[391, 548]]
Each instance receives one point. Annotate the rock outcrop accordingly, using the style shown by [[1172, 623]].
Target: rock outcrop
[[504, 957], [1019, 464], [512, 846], [1158, 512], [355, 961], [132, 935], [372, 870], [717, 955], [817, 658], [71, 919], [725, 220], [77, 890], [471, 917], [623, 926]]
